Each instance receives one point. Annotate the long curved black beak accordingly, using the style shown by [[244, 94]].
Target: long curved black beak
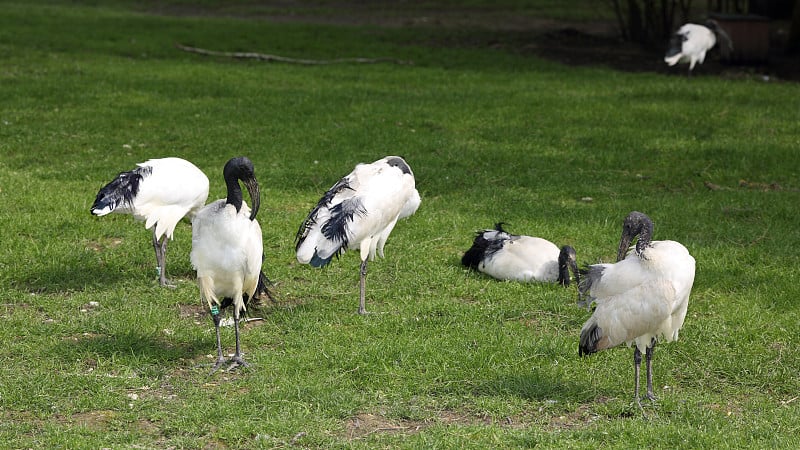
[[567, 261], [255, 195], [624, 244]]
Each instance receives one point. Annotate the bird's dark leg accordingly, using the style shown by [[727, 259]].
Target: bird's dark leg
[[637, 361], [649, 362], [237, 360], [160, 246], [362, 309], [215, 316]]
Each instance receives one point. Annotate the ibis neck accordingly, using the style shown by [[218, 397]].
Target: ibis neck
[[645, 236], [566, 262], [234, 193]]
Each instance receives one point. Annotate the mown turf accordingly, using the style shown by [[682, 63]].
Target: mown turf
[[96, 355]]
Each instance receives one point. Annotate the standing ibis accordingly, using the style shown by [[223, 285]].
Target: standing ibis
[[641, 299], [160, 192], [691, 42], [506, 256], [227, 251], [359, 211]]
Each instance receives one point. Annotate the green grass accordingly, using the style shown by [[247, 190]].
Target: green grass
[[447, 359]]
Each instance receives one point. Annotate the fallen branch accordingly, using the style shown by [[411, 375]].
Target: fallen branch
[[276, 58]]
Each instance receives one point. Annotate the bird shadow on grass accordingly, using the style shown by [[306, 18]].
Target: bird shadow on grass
[[140, 351], [66, 275], [79, 272], [537, 386]]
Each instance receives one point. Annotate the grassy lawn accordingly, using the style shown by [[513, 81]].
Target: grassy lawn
[[97, 355]]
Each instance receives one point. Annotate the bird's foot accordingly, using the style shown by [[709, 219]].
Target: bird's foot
[[362, 311], [649, 396], [236, 362], [166, 283], [217, 365]]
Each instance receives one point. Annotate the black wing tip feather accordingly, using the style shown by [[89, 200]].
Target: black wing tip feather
[[482, 248], [589, 276], [121, 190], [472, 257], [589, 339], [477, 253], [342, 214], [324, 202]]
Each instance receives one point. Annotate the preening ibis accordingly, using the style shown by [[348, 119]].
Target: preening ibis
[[227, 251], [160, 192], [691, 42], [359, 211], [506, 256], [640, 299]]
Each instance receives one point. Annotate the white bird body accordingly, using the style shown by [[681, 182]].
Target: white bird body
[[695, 41], [359, 211], [642, 299], [537, 257], [227, 250], [521, 258], [643, 296], [159, 192], [692, 41]]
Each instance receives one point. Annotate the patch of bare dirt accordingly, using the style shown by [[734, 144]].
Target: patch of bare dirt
[[365, 424], [579, 418], [99, 420], [587, 43]]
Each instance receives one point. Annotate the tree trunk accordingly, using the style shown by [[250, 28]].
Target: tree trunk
[[793, 43], [635, 26]]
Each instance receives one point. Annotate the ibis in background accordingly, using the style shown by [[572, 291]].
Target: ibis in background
[[640, 299], [227, 251], [358, 212], [506, 256], [160, 192], [691, 42]]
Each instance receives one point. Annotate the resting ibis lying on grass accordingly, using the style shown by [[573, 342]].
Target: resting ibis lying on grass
[[160, 192], [227, 251], [691, 43], [506, 256], [641, 299], [359, 211]]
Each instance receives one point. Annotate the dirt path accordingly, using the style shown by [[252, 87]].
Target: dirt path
[[571, 43]]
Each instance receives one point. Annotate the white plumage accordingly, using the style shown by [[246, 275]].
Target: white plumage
[[691, 43], [359, 211], [159, 192], [641, 299], [507, 256], [227, 250]]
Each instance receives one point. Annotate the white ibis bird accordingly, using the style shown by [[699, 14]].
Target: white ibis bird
[[506, 256], [160, 192], [691, 42], [641, 299], [359, 211], [227, 251]]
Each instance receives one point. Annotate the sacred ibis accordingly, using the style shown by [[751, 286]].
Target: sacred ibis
[[506, 256], [691, 42], [359, 211], [641, 299], [227, 251], [160, 192]]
